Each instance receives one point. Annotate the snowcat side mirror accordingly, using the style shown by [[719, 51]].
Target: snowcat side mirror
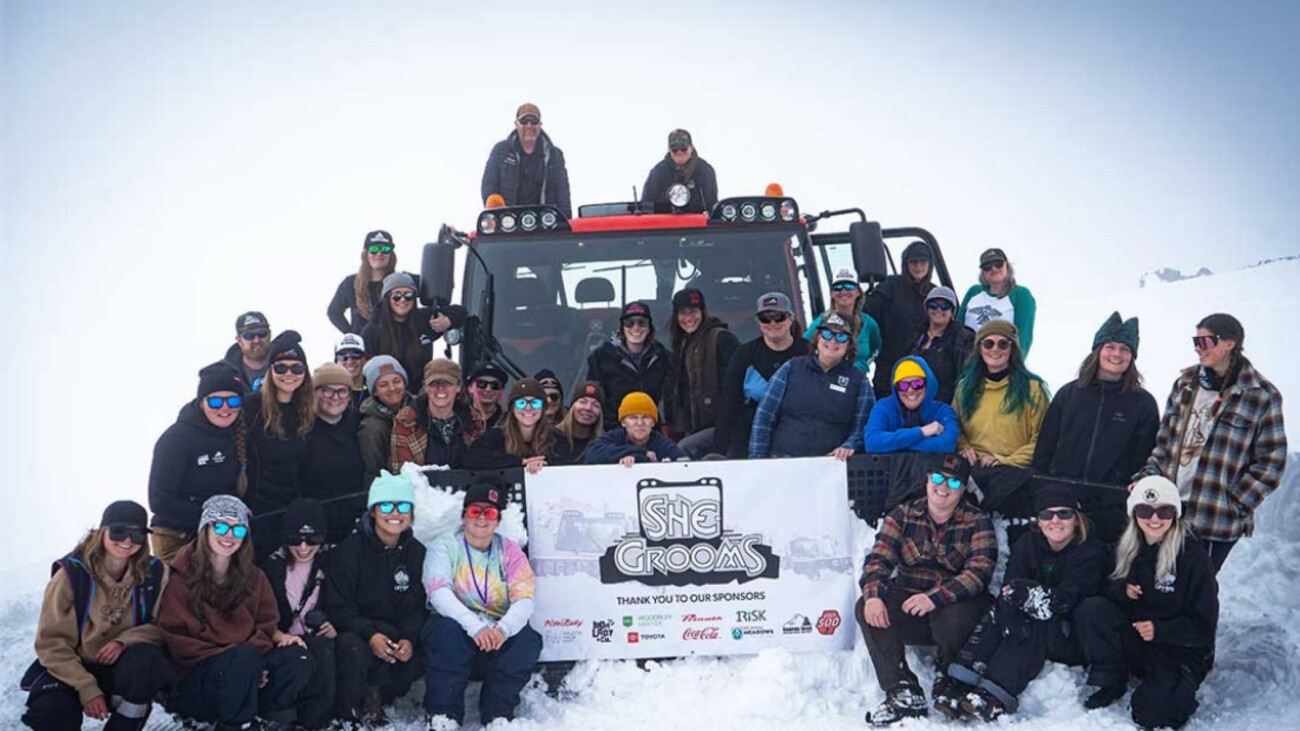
[[869, 257], [437, 273]]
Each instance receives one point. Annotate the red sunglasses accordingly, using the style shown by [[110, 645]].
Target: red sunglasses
[[474, 512]]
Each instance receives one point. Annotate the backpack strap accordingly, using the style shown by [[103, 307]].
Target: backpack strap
[[83, 588], [145, 595]]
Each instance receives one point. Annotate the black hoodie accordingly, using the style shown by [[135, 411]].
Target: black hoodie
[[373, 588], [192, 461], [275, 464], [1070, 575], [898, 307], [1097, 434], [1184, 607], [332, 469]]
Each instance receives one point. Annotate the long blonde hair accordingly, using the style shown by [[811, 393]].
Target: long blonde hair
[[304, 398], [91, 552], [1166, 561], [361, 286], [567, 424]]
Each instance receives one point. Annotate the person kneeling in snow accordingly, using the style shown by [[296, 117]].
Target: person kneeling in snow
[[636, 440], [481, 586], [925, 583], [375, 599], [1051, 569], [1158, 615]]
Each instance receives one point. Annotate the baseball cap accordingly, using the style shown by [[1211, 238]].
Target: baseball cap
[[528, 109], [679, 138], [252, 320], [773, 301], [992, 255], [350, 341]]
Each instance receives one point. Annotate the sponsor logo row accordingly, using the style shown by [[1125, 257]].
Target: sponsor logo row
[[699, 627]]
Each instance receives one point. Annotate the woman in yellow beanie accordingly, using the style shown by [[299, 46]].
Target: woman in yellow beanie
[[636, 439]]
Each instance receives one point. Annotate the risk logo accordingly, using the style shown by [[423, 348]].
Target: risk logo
[[751, 615], [828, 622]]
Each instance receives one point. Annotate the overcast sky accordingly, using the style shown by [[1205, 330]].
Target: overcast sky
[[167, 165]]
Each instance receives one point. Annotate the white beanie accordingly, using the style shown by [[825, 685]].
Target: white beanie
[[1155, 490]]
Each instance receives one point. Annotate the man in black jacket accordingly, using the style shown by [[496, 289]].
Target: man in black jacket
[[251, 353], [375, 599], [525, 168], [749, 370], [682, 164], [898, 306]]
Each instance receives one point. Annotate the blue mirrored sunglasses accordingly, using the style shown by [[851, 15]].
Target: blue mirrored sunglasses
[[844, 287], [403, 507], [524, 403], [829, 335], [217, 402], [954, 483], [238, 531]]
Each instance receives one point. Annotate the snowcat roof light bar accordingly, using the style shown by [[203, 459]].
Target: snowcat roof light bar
[[754, 209], [521, 220]]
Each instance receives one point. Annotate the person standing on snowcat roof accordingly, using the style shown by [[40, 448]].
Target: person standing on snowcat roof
[[1222, 439], [250, 355], [682, 164], [360, 292], [998, 297], [526, 168], [846, 301], [898, 307]]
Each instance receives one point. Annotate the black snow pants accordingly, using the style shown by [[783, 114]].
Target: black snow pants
[[224, 688], [129, 687], [947, 626], [359, 672]]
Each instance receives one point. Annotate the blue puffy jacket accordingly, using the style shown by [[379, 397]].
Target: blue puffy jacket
[[885, 431]]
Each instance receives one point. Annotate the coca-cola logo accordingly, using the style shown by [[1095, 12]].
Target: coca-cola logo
[[565, 622], [699, 619], [703, 633], [828, 622]]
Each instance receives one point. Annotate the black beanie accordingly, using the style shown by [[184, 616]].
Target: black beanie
[[1055, 495], [304, 517], [220, 376], [547, 377], [286, 346]]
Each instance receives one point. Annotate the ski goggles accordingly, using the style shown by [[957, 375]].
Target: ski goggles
[[829, 335], [528, 403], [1163, 512], [380, 249], [844, 287], [1204, 342], [295, 368], [251, 335], [954, 483], [767, 318], [403, 507], [910, 384], [238, 531], [220, 402], [119, 533], [1062, 513], [474, 512]]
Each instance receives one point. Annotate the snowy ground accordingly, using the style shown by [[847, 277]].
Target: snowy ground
[[1258, 665]]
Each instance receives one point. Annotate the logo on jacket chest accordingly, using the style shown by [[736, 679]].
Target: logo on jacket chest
[[1165, 584], [841, 384], [205, 459], [401, 580]]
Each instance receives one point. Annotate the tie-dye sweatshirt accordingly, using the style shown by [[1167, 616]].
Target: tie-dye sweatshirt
[[454, 588]]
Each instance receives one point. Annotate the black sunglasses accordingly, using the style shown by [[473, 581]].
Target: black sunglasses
[[251, 335], [311, 539], [1062, 513], [767, 318], [295, 368], [488, 384], [990, 266], [125, 532], [530, 121], [998, 343], [1163, 512], [401, 296]]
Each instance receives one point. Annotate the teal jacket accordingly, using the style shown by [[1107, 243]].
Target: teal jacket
[[1023, 302], [868, 340]]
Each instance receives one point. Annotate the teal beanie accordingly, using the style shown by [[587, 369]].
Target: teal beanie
[[1117, 330], [390, 488]]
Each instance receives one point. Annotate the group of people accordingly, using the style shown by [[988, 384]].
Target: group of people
[[336, 609]]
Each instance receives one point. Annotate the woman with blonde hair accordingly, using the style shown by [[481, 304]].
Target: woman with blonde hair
[[360, 292], [98, 652], [1157, 617], [525, 438], [281, 419]]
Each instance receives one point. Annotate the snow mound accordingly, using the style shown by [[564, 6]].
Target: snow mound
[[437, 510]]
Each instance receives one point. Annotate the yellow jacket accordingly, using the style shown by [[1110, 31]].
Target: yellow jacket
[[1008, 437]]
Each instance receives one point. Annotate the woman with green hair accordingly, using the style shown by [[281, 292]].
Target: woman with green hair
[[1000, 404]]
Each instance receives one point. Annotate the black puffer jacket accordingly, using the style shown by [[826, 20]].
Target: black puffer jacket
[[504, 174], [192, 461], [703, 185], [372, 588], [333, 468], [946, 356], [1097, 433], [620, 373], [898, 307]]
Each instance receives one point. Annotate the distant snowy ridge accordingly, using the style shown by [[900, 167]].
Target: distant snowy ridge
[[1167, 274]]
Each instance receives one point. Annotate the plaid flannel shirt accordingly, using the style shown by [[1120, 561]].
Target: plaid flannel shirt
[[1243, 457], [950, 563]]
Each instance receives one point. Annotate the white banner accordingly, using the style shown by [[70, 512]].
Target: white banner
[[692, 558]]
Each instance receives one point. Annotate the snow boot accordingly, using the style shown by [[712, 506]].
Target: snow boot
[[1104, 696], [947, 693], [373, 714], [904, 700], [983, 705]]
